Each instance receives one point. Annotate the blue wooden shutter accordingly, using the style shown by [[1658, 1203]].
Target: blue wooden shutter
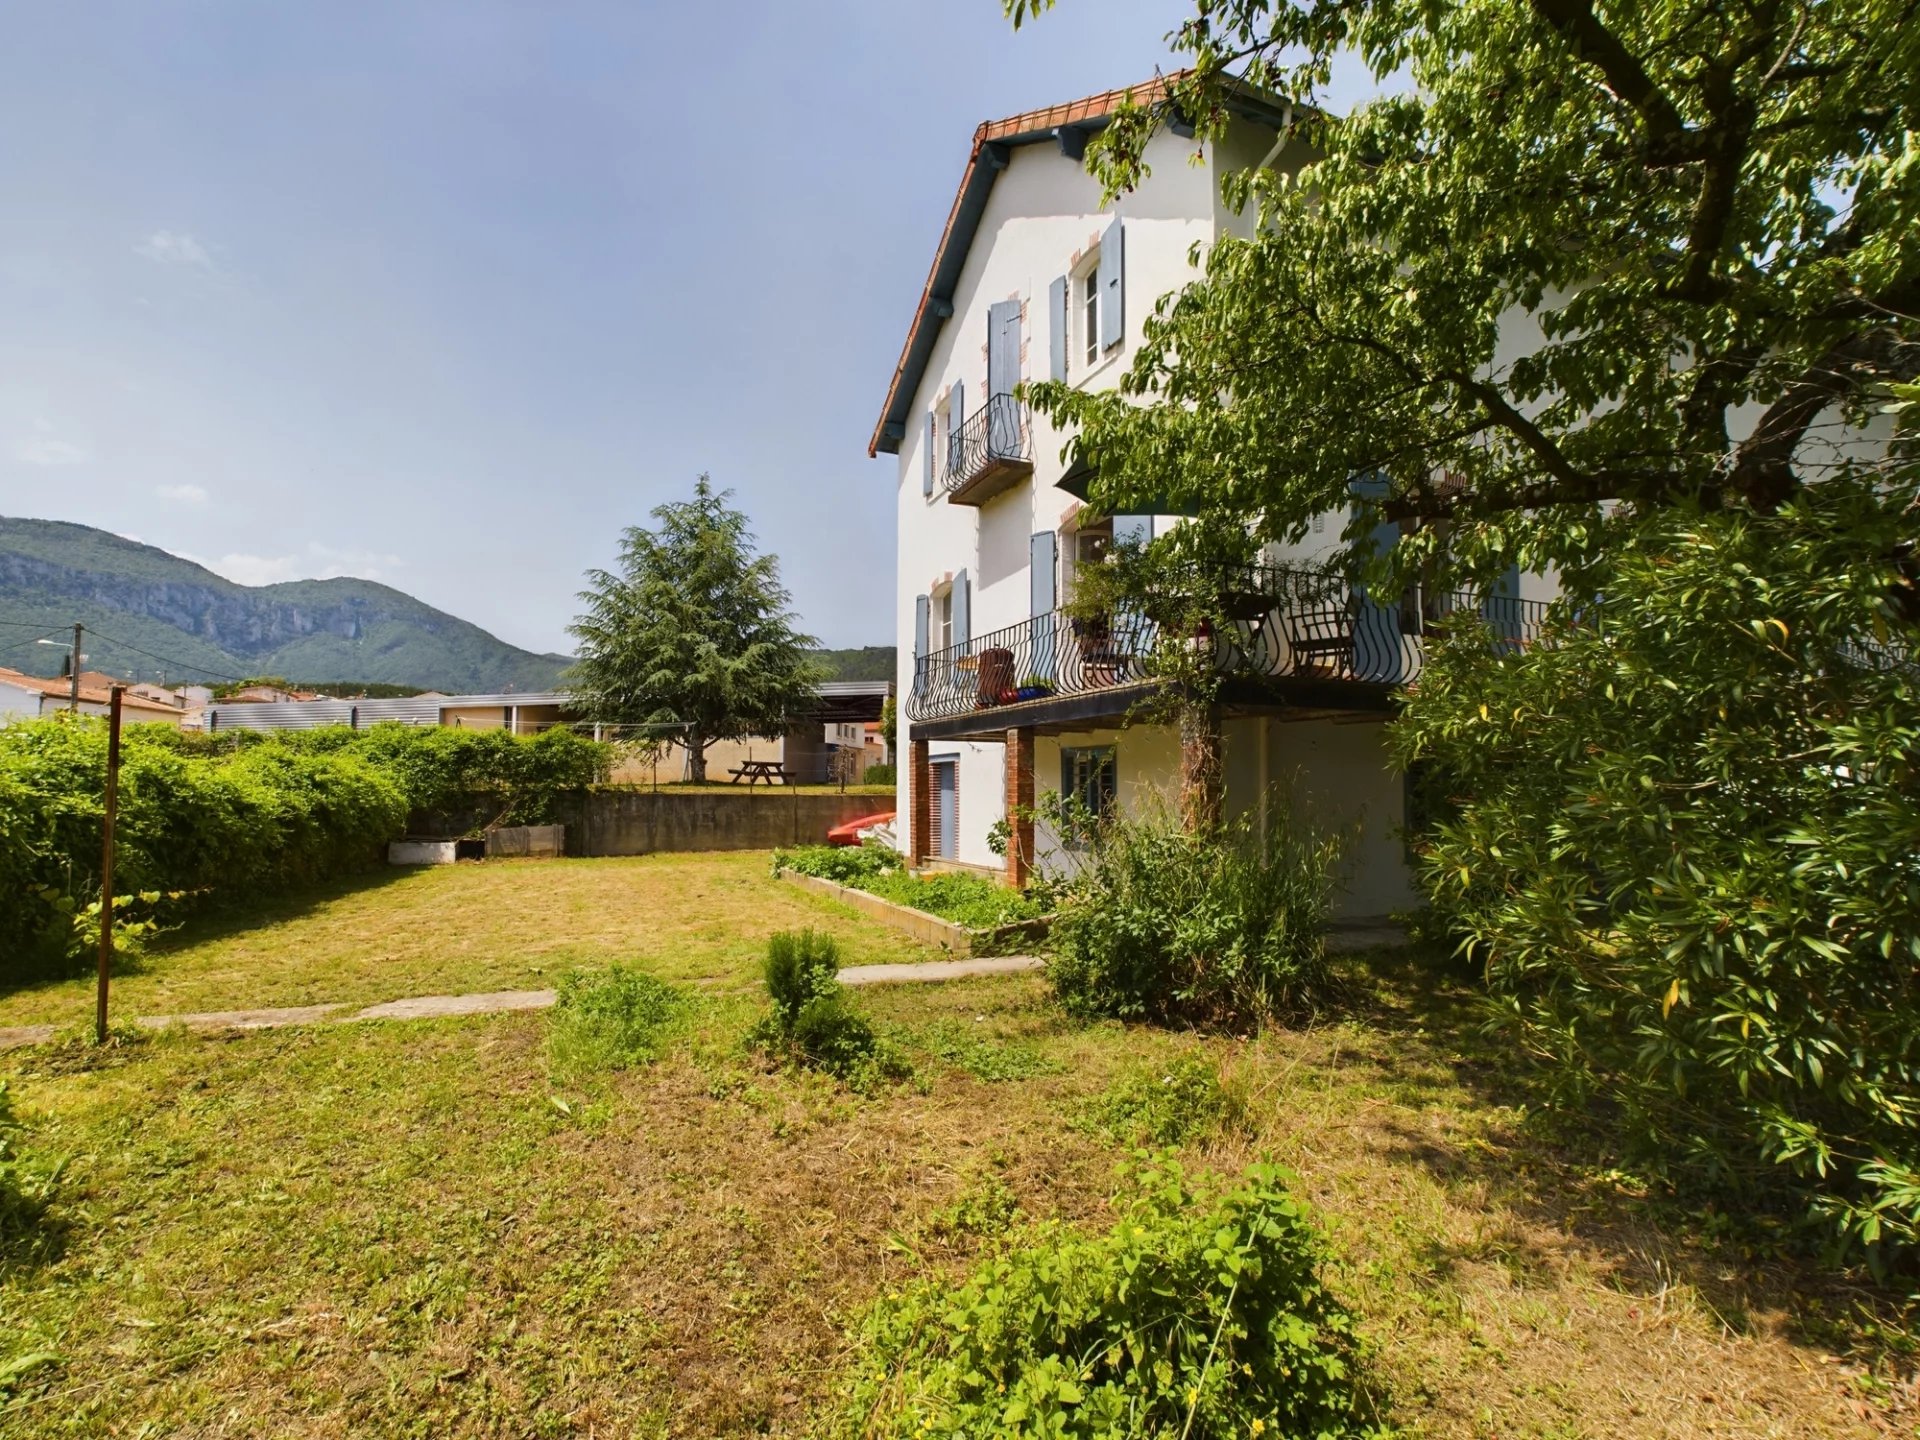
[[1113, 286], [926, 459], [1502, 607], [956, 426], [922, 608], [1003, 347], [962, 598], [1057, 323], [1040, 573]]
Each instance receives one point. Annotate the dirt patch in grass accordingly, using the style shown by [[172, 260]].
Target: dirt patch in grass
[[456, 929], [412, 1229]]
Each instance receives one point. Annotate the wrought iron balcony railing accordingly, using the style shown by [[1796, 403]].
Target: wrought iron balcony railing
[[987, 452], [1274, 622]]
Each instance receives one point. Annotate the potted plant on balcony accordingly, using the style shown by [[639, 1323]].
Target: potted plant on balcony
[[1034, 687]]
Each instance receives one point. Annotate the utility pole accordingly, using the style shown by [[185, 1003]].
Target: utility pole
[[106, 861], [73, 702]]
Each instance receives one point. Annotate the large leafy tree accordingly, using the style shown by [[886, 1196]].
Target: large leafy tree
[[1692, 220], [1608, 289], [693, 631]]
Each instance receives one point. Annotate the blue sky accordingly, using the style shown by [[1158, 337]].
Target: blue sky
[[446, 293]]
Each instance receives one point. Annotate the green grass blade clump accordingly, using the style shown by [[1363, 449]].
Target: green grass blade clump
[[610, 1020]]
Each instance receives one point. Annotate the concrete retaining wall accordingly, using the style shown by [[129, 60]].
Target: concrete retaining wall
[[527, 840], [640, 822]]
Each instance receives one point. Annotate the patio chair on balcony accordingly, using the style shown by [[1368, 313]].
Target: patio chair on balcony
[[996, 677]]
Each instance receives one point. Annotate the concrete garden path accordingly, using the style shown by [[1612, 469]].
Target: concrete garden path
[[493, 1002]]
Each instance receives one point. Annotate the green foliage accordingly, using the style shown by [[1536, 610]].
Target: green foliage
[[1168, 1104], [801, 967], [1199, 1315], [981, 1056], [693, 630], [1683, 845], [882, 774], [811, 1021], [1708, 212], [843, 864], [1207, 928], [611, 1019], [970, 900], [229, 815], [27, 1183], [867, 662]]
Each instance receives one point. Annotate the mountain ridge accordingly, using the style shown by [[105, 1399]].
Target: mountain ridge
[[152, 614]]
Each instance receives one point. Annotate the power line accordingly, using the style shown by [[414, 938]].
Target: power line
[[168, 661], [27, 644]]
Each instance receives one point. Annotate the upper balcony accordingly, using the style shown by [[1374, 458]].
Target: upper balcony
[[989, 452], [1285, 634]]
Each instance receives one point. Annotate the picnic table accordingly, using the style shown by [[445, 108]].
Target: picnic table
[[754, 771]]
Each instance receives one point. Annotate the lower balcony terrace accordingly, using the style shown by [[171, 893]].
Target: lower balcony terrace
[[1283, 637]]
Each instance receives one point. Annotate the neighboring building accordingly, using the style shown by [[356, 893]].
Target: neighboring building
[[29, 697], [524, 714], [803, 751], [1005, 696], [811, 751]]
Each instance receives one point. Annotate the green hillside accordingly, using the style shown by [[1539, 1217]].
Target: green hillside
[[150, 613]]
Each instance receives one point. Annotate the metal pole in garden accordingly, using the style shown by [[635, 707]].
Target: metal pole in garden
[[106, 863]]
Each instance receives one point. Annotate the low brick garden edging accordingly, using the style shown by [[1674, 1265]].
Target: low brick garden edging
[[922, 926]]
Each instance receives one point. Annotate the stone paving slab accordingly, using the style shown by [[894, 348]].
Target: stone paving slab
[[434, 1007], [493, 1002], [941, 970]]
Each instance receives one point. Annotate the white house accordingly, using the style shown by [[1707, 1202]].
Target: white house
[[1004, 696], [31, 697]]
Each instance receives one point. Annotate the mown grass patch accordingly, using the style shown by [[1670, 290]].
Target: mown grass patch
[[391, 1229]]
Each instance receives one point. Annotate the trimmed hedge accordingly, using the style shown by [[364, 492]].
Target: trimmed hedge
[[204, 817]]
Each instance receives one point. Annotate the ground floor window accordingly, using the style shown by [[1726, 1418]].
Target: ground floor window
[[1089, 781]]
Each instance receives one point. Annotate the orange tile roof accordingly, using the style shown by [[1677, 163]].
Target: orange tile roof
[[61, 688], [1085, 111]]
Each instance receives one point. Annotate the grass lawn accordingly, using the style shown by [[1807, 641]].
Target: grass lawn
[[413, 1229], [501, 925]]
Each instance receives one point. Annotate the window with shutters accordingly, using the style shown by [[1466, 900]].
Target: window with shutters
[[1089, 783], [940, 631], [1089, 308]]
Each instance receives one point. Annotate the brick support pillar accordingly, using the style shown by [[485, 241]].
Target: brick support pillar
[[1019, 807], [919, 804]]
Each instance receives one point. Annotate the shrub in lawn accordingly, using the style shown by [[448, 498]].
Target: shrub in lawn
[[882, 775], [1201, 1314], [811, 1021], [1167, 1104], [610, 1020], [1214, 928]]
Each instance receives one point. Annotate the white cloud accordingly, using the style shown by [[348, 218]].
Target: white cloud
[[45, 450], [318, 562], [182, 494], [175, 247]]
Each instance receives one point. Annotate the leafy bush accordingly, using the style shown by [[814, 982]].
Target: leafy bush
[[843, 864], [1174, 927], [610, 1020], [882, 775], [1161, 1105], [811, 1021], [243, 813], [1201, 1314], [1684, 849]]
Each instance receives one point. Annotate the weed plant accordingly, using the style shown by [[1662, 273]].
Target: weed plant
[[1161, 1105], [1200, 1315], [610, 1020], [1220, 929]]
